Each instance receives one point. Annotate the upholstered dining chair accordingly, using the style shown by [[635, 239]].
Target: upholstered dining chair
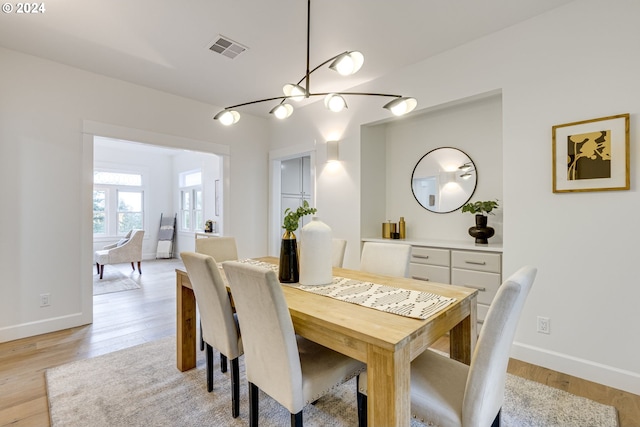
[[292, 370], [222, 249], [219, 325], [338, 248], [389, 259], [128, 249], [445, 392]]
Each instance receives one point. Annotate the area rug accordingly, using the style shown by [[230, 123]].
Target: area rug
[[141, 386], [113, 281]]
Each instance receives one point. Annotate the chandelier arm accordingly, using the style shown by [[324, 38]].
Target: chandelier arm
[[284, 98], [357, 93]]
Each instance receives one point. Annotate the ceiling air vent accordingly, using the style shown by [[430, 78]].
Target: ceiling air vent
[[227, 47]]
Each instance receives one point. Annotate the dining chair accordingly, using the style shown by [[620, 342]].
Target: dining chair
[[389, 259], [338, 248], [219, 325], [221, 249], [292, 370], [446, 392]]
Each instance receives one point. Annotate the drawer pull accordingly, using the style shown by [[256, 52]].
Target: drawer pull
[[476, 262], [480, 288], [426, 279], [421, 256]]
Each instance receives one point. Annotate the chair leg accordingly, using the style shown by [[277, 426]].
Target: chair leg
[[253, 405], [223, 363], [139, 270], [496, 422], [132, 267], [235, 387], [296, 419], [201, 339], [98, 268], [101, 271], [362, 406], [209, 368]]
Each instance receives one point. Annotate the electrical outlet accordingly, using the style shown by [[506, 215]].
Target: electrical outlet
[[45, 300], [544, 325]]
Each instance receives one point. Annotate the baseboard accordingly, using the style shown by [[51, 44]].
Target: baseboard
[[578, 367], [44, 326]]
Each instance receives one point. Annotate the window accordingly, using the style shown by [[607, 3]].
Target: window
[[191, 201], [118, 203]]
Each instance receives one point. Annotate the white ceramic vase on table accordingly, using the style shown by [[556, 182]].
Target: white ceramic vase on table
[[316, 253]]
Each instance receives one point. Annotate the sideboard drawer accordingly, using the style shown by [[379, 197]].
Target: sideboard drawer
[[478, 261], [486, 283], [431, 273], [431, 256]]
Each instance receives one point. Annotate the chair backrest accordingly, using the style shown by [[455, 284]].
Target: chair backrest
[[129, 251], [218, 323], [270, 347], [389, 259], [220, 248], [484, 393], [338, 248]]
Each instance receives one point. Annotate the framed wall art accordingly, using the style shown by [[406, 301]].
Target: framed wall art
[[591, 155]]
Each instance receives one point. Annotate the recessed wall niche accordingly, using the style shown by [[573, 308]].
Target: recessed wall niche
[[390, 151]]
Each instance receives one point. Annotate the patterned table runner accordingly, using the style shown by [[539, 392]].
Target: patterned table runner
[[404, 302]]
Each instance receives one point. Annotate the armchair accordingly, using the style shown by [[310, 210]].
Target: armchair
[[129, 249]]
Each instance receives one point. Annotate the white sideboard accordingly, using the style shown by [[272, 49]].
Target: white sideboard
[[456, 263]]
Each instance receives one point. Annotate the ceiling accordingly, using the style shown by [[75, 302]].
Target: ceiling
[[165, 44]]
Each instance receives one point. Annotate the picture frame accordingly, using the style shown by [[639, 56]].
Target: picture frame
[[591, 155]]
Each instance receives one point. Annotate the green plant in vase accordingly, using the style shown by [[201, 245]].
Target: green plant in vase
[[289, 269], [292, 218], [481, 210]]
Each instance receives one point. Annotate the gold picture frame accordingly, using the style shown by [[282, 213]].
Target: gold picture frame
[[591, 155]]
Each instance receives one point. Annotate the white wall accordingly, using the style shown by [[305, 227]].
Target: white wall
[[574, 63], [45, 179], [475, 127]]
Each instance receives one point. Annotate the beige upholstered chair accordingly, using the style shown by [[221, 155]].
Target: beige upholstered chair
[[128, 249], [292, 370], [338, 248], [219, 326], [221, 249], [389, 259], [445, 392]]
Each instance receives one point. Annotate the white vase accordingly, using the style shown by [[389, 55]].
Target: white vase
[[316, 253]]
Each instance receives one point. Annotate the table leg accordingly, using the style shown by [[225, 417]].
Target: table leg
[[463, 337], [388, 387], [186, 326]]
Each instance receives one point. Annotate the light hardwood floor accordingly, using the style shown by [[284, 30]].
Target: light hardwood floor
[[126, 319]]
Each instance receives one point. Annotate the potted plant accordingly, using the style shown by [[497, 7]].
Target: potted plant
[[481, 209], [289, 269]]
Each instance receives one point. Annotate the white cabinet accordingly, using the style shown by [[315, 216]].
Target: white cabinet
[[457, 263], [479, 270], [430, 264]]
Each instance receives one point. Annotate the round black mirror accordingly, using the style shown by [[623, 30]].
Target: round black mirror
[[444, 180]]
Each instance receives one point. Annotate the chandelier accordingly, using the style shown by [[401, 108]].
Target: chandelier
[[345, 63]]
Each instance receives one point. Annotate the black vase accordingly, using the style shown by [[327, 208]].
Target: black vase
[[481, 232], [289, 269]]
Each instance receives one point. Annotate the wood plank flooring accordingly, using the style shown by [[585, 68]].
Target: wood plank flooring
[[126, 319]]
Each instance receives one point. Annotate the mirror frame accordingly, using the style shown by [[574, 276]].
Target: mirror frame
[[469, 160]]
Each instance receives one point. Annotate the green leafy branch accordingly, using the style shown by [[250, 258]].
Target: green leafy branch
[[292, 218], [482, 208]]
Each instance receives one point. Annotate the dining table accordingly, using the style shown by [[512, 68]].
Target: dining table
[[386, 342]]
